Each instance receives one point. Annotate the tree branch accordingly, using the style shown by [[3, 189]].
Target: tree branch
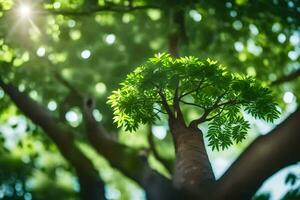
[[160, 111], [128, 160], [179, 36], [92, 187], [74, 91], [207, 111], [168, 164], [192, 104], [211, 118], [287, 78], [110, 8], [265, 156], [178, 113], [194, 90], [165, 103]]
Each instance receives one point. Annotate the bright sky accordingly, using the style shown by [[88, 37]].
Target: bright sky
[[275, 184]]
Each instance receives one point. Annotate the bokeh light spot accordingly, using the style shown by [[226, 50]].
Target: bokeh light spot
[[100, 88], [52, 105], [110, 38], [196, 16], [288, 97], [85, 54], [41, 51], [159, 132]]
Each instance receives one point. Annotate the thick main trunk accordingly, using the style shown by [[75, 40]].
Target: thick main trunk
[[193, 172]]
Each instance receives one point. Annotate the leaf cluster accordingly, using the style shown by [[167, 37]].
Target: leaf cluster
[[155, 87]]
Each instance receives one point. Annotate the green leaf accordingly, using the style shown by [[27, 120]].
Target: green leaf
[[209, 86]]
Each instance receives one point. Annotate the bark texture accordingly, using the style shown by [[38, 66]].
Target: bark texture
[[193, 171]]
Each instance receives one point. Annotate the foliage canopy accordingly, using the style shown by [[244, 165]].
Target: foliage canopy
[[256, 38], [220, 94]]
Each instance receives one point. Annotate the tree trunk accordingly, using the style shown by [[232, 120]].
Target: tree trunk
[[193, 172]]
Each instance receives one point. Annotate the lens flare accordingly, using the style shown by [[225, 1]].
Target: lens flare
[[24, 10]]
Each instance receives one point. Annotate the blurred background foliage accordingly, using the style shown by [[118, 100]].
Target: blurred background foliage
[[94, 49]]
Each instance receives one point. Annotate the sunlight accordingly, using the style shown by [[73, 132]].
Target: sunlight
[[160, 132], [23, 17], [24, 10]]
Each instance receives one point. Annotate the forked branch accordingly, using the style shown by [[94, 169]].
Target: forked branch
[[165, 103]]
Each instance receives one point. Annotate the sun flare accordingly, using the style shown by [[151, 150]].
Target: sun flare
[[24, 10]]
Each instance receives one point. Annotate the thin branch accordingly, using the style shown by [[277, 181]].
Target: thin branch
[[165, 103], [176, 103], [216, 115], [160, 111], [194, 90], [187, 93], [232, 102], [110, 8], [166, 163], [192, 104], [75, 96], [175, 98], [91, 10], [68, 85], [287, 78], [207, 111], [216, 104]]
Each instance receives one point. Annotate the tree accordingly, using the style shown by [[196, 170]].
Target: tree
[[163, 84], [60, 60]]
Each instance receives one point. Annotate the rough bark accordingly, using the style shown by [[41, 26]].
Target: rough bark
[[265, 156], [61, 136], [131, 162], [193, 171]]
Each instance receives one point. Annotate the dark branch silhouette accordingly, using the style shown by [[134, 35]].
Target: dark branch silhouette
[[131, 162], [287, 78], [92, 187], [110, 8], [264, 157], [168, 164]]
